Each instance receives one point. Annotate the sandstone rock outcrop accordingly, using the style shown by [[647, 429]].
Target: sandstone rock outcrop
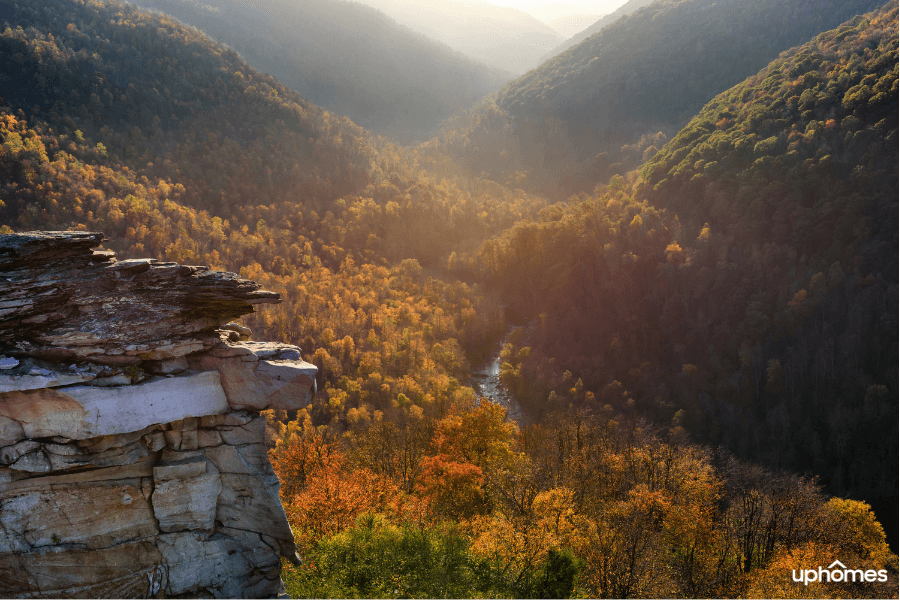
[[132, 454]]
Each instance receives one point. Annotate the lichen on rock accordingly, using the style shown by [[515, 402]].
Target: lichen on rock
[[132, 455]]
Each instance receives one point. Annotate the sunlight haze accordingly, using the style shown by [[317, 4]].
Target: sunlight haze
[[567, 17], [501, 299]]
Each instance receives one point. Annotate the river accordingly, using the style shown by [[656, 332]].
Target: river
[[486, 382]]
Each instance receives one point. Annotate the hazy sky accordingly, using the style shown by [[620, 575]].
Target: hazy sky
[[562, 7]]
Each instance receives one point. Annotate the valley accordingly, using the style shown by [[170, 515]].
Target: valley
[[669, 251]]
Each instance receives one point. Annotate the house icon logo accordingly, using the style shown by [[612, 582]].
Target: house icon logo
[[837, 572]]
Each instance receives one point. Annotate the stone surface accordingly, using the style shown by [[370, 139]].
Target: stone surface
[[249, 433], [10, 383], [273, 350], [186, 490], [170, 366], [10, 454], [242, 495], [253, 383], [122, 571], [231, 419], [243, 389], [112, 381], [82, 412], [132, 452], [243, 332], [61, 300], [250, 459], [140, 470], [91, 518], [220, 565], [11, 431], [289, 384], [33, 462]]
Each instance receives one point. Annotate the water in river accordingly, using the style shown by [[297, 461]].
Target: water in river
[[486, 382]]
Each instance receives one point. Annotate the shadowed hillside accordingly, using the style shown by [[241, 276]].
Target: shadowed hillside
[[594, 110], [745, 286], [347, 58]]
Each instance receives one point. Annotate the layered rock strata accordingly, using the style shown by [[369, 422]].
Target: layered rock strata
[[132, 454]]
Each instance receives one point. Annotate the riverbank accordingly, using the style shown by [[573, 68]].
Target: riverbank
[[486, 382]]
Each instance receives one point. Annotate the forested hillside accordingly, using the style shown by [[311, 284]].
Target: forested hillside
[[745, 286], [347, 58], [126, 122], [673, 342], [148, 98], [595, 110]]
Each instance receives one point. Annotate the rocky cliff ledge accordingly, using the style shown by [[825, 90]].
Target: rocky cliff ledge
[[132, 456]]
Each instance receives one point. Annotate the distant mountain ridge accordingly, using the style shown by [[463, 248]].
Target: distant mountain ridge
[[348, 58], [649, 333], [623, 11], [503, 37]]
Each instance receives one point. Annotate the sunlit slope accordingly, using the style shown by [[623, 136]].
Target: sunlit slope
[[347, 58], [663, 63], [812, 134], [168, 102], [580, 117]]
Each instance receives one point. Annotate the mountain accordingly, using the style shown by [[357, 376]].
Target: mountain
[[567, 17], [819, 121], [138, 95], [347, 58], [568, 24], [113, 86], [598, 25], [581, 116], [499, 36], [744, 285]]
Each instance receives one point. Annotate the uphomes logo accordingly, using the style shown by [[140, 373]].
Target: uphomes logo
[[836, 572]]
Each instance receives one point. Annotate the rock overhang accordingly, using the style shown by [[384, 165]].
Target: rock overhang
[[61, 300], [130, 431]]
